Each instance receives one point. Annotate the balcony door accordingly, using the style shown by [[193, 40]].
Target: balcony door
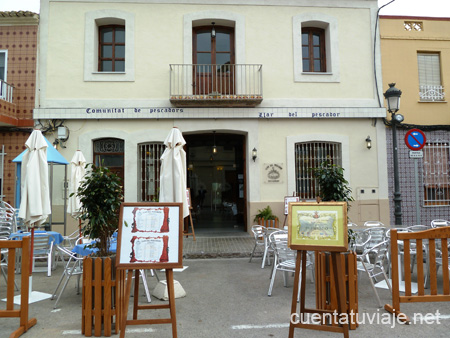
[[213, 49]]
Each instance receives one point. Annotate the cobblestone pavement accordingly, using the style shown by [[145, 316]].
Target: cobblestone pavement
[[213, 247]]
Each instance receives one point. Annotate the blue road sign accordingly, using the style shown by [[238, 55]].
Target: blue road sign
[[415, 139]]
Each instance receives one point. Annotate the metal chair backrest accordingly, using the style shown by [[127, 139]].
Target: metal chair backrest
[[415, 228], [42, 244], [373, 224], [437, 223], [377, 235], [258, 232]]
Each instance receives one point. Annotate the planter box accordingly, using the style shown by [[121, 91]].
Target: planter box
[[325, 281], [100, 304]]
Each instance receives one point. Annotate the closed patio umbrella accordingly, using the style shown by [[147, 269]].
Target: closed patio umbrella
[[173, 171], [77, 173], [35, 204]]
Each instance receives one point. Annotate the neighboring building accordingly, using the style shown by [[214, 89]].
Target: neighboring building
[[416, 56], [295, 81], [18, 58]]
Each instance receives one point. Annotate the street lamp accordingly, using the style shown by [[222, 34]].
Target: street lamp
[[392, 96]]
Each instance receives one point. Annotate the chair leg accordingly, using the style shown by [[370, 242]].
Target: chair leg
[[272, 280], [373, 286], [251, 255], [266, 249], [144, 282]]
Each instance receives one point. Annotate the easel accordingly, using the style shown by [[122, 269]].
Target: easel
[[164, 254], [301, 237], [125, 291], [337, 266], [186, 226], [287, 200]]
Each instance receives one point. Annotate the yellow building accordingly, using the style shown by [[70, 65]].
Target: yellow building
[[416, 56]]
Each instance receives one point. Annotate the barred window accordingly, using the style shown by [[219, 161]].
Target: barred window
[[309, 155], [436, 173], [150, 165], [109, 152]]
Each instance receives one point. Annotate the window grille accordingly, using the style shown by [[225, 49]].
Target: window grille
[[150, 165], [430, 85], [310, 155], [436, 173]]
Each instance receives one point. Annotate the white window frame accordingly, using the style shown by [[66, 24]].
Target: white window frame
[[5, 51], [98, 18], [329, 24], [290, 148]]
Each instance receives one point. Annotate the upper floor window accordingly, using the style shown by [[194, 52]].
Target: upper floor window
[[430, 85], [309, 155], [436, 173], [111, 56], [109, 46], [316, 48], [313, 50], [3, 58]]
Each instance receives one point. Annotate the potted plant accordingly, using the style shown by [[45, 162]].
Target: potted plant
[[266, 217], [334, 187], [100, 194]]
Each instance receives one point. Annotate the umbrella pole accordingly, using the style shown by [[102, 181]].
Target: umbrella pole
[[31, 250]]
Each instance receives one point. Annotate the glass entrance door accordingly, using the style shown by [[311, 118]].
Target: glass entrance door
[[213, 49]]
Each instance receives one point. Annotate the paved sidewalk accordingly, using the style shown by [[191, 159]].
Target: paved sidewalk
[[218, 247]]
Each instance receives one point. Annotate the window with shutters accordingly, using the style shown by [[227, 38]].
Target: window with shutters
[[430, 85]]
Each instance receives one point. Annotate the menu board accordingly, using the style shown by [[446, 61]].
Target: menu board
[[150, 236]]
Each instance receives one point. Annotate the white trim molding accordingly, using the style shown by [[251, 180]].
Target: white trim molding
[[329, 24], [290, 153], [102, 17]]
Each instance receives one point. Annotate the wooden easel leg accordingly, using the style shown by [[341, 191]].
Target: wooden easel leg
[[339, 284], [136, 294], [192, 224], [295, 295], [171, 293], [126, 300]]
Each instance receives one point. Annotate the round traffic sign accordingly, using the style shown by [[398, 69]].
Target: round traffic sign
[[415, 139]]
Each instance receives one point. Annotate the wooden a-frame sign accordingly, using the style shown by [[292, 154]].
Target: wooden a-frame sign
[[150, 237]]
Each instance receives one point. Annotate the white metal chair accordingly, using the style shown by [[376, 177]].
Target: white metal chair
[[436, 223], [258, 234], [73, 267], [284, 257], [268, 250], [43, 250], [373, 224], [373, 262], [4, 261]]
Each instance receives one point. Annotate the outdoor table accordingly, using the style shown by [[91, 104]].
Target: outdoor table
[[56, 237], [84, 250]]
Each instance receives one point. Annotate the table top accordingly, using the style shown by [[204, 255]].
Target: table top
[[83, 250], [56, 236]]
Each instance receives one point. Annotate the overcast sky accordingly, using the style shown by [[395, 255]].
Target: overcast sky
[[440, 8]]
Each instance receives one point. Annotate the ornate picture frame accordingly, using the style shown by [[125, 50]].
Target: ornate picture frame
[[318, 226], [150, 236]]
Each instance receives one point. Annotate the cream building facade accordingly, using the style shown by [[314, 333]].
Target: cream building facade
[[416, 55], [275, 87]]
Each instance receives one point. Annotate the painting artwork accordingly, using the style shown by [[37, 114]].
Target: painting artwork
[[318, 226]]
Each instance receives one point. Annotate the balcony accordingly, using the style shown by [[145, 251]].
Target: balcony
[[213, 85], [431, 93], [6, 91]]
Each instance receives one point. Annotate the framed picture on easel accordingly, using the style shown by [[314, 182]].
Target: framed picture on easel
[[150, 236], [318, 226]]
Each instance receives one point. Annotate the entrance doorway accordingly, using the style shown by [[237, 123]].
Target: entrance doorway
[[216, 178]]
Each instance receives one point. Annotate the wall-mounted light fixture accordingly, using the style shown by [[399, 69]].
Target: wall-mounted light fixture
[[213, 30], [254, 154], [368, 142], [214, 146]]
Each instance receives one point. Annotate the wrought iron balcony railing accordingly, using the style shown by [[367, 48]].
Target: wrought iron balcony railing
[[6, 91], [431, 93], [214, 85]]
